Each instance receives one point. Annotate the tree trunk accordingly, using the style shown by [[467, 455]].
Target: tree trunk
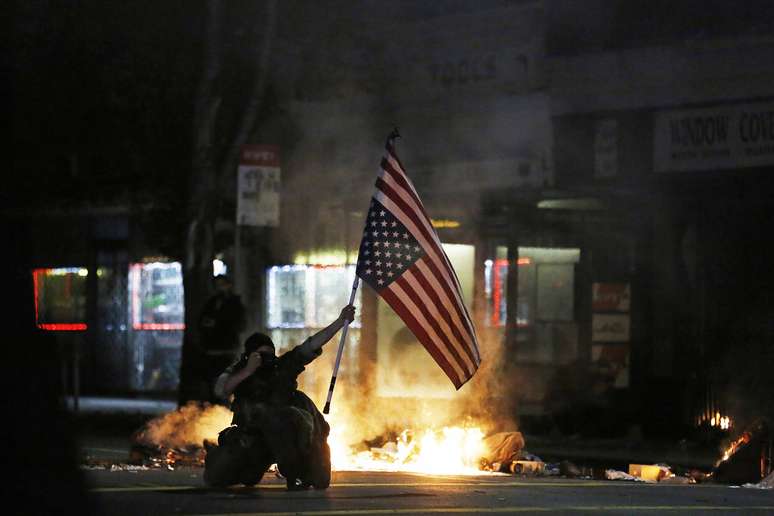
[[204, 191]]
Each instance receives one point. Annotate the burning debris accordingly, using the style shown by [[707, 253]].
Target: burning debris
[[748, 457], [177, 438]]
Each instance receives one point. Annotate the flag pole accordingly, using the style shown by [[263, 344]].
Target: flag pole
[[392, 136], [327, 408]]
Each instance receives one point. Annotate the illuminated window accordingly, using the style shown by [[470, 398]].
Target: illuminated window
[[308, 296], [496, 289], [60, 298], [156, 296]]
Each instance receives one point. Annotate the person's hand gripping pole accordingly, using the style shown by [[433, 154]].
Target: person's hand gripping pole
[[327, 408]]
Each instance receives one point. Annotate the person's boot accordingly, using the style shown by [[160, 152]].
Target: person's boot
[[295, 484]]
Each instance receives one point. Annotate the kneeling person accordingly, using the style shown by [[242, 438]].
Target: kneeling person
[[273, 421]]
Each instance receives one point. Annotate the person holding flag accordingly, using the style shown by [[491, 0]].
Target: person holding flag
[[273, 421]]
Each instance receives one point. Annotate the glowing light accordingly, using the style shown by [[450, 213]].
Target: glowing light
[[325, 258], [62, 326], [159, 326], [445, 223], [716, 420], [62, 271], [219, 267]]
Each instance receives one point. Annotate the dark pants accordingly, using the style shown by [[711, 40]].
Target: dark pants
[[289, 436]]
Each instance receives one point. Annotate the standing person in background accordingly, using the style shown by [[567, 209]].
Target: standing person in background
[[221, 321]]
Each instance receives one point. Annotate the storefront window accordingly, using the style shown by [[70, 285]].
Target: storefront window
[[60, 298], [308, 296], [547, 331], [156, 291], [157, 315], [301, 300]]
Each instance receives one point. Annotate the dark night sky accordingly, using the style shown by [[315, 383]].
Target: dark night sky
[[103, 89], [102, 96]]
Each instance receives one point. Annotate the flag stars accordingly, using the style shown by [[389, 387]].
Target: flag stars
[[387, 249]]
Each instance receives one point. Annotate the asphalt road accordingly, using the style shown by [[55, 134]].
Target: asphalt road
[[158, 491]]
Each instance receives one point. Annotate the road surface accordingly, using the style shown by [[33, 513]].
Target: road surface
[[159, 491]]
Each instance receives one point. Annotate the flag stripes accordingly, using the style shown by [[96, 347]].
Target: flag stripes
[[430, 310], [439, 265], [427, 294], [445, 307], [395, 169], [420, 333], [397, 179]]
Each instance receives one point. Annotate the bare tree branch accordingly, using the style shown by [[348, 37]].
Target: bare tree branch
[[256, 98]]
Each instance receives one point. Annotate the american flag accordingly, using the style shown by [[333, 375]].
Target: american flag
[[401, 258]]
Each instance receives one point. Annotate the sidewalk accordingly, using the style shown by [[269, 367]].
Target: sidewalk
[[104, 426]]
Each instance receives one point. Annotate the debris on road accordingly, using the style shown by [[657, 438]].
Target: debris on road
[[651, 472], [612, 474]]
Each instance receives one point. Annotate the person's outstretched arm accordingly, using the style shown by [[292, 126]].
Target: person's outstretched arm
[[312, 346]]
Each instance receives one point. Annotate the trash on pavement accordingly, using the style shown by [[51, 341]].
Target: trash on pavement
[[527, 467], [652, 472], [613, 474]]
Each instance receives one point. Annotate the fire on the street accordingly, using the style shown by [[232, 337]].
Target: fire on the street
[[744, 438], [178, 437], [448, 450]]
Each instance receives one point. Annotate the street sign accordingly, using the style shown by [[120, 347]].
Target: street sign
[[258, 186]]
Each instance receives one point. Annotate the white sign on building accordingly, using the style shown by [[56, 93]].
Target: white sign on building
[[258, 186], [719, 137]]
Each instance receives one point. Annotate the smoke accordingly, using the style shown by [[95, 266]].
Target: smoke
[[360, 414], [462, 142], [188, 426]]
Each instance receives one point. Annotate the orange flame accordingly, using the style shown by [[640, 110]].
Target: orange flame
[[734, 446]]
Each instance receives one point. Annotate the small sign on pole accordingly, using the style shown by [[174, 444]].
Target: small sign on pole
[[258, 186]]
